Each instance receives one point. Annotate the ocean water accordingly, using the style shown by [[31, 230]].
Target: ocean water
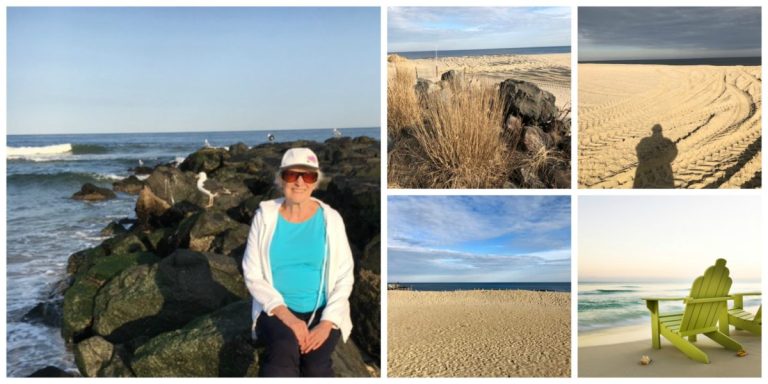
[[720, 61], [610, 305], [552, 287], [45, 226], [484, 52]]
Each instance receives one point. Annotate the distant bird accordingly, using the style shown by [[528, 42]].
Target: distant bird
[[207, 144], [270, 137], [141, 163], [336, 132]]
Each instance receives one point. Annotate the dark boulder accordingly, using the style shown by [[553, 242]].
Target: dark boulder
[[148, 300], [210, 346], [130, 185], [365, 302], [536, 140], [51, 371], [232, 241], [172, 185], [149, 207], [371, 259], [79, 262], [113, 228], [124, 243], [78, 304], [91, 354], [48, 312], [218, 345], [206, 227], [97, 357], [141, 170], [358, 202], [90, 192], [244, 212], [238, 149], [525, 100], [204, 160], [347, 360], [177, 213]]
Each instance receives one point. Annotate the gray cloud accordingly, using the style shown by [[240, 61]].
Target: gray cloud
[[716, 31]]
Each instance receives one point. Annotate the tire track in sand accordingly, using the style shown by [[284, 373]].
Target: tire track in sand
[[712, 114]]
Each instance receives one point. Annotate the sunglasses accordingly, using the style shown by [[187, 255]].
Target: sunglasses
[[292, 176]]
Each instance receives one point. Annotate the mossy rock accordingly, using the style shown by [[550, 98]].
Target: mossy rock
[[79, 298], [79, 262], [214, 345], [124, 243]]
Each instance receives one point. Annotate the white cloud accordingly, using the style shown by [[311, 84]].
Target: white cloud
[[446, 220]]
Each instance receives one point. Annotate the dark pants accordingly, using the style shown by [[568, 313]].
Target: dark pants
[[283, 358]]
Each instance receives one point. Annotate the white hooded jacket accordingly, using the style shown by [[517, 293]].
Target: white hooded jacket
[[338, 275]]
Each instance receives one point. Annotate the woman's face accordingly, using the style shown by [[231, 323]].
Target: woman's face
[[298, 190]]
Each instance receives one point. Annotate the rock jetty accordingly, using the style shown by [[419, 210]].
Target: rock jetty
[[166, 296]]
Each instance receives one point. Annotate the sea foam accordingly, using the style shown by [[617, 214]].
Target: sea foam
[[22, 152]]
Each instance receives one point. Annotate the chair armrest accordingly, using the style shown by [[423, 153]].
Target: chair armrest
[[706, 300], [663, 298], [652, 303], [738, 298]]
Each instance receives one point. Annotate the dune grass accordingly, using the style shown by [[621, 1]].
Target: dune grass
[[455, 139]]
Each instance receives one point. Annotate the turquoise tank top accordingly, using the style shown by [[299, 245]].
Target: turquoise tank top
[[296, 257]]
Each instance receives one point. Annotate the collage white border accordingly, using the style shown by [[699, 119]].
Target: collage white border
[[574, 192]]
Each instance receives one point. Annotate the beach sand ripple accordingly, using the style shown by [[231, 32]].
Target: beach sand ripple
[[479, 333], [711, 113]]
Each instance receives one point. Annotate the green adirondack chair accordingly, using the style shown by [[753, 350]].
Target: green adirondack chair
[[742, 319], [704, 307]]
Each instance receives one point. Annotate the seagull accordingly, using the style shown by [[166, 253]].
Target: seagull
[[201, 178], [207, 144], [270, 137], [141, 163], [336, 132]]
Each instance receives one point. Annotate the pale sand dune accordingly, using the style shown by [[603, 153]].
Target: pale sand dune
[[479, 333], [711, 113], [551, 72], [617, 353]]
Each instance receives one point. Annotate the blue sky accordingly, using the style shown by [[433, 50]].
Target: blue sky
[[660, 238], [448, 28], [479, 239], [92, 70]]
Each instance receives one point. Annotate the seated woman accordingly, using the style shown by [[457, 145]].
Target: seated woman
[[298, 268]]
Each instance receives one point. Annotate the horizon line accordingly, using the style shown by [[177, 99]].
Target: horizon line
[[479, 282], [154, 132], [592, 61], [481, 49]]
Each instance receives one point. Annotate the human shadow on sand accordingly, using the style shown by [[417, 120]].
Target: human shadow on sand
[[655, 154]]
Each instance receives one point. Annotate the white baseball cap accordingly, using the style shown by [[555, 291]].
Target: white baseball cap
[[299, 157]]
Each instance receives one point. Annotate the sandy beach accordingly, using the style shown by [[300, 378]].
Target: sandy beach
[[616, 353], [551, 72], [479, 334], [710, 114]]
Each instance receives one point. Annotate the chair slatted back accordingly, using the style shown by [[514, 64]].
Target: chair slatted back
[[702, 317]]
